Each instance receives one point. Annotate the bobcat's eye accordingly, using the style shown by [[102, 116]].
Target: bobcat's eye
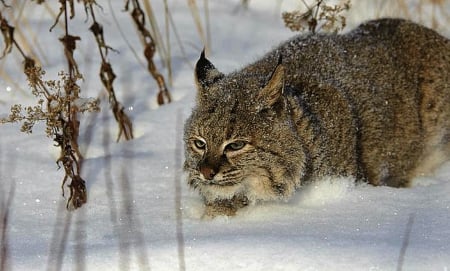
[[199, 144], [235, 146]]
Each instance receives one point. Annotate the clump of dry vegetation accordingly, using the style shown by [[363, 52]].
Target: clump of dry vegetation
[[59, 103], [317, 17], [57, 106]]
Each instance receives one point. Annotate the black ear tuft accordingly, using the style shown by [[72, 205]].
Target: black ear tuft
[[202, 67], [273, 90], [205, 72], [280, 60]]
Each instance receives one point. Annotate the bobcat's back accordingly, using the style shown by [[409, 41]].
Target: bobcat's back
[[373, 103]]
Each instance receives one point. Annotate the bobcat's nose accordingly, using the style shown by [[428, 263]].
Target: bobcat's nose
[[208, 172]]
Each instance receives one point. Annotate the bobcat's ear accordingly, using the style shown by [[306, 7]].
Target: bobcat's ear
[[273, 90], [205, 73]]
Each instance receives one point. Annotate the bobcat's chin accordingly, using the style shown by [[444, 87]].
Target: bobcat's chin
[[255, 187], [212, 191]]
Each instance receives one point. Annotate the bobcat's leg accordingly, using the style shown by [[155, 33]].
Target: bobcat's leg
[[226, 207]]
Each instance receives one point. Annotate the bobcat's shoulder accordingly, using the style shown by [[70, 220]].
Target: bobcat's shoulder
[[372, 104]]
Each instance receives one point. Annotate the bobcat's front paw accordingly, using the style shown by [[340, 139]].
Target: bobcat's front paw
[[224, 207]]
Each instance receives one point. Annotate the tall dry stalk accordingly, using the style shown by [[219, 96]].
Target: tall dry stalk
[[138, 17], [58, 106], [5, 208], [155, 30], [439, 9], [71, 157], [168, 58], [107, 77], [198, 24]]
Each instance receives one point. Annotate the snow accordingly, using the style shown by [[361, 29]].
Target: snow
[[137, 189]]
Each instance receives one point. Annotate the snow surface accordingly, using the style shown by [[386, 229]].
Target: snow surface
[[137, 189]]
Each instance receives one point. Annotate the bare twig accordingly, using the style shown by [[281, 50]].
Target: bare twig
[[5, 207], [149, 50], [63, 10], [122, 34], [8, 35], [4, 4], [69, 43], [154, 30], [60, 112], [180, 44], [108, 76], [71, 157], [207, 23], [198, 24], [168, 57]]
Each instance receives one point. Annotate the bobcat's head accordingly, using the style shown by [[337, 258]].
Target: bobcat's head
[[240, 139]]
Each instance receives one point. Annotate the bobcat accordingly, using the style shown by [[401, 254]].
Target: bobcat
[[373, 104]]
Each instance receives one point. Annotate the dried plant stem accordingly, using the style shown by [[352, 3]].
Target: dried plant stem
[[169, 53], [48, 8], [179, 42], [437, 6], [8, 35], [208, 28], [4, 4], [67, 137], [163, 49], [125, 126], [156, 34], [5, 207], [122, 34], [198, 23], [108, 76], [149, 50], [19, 35], [56, 109]]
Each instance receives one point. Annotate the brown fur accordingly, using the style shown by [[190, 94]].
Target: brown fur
[[373, 104]]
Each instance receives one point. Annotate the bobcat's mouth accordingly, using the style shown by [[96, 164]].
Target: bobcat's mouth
[[197, 180], [221, 182]]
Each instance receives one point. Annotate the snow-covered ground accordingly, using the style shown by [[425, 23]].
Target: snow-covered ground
[[140, 213]]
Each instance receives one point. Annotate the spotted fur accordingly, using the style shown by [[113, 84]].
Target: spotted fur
[[373, 104]]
